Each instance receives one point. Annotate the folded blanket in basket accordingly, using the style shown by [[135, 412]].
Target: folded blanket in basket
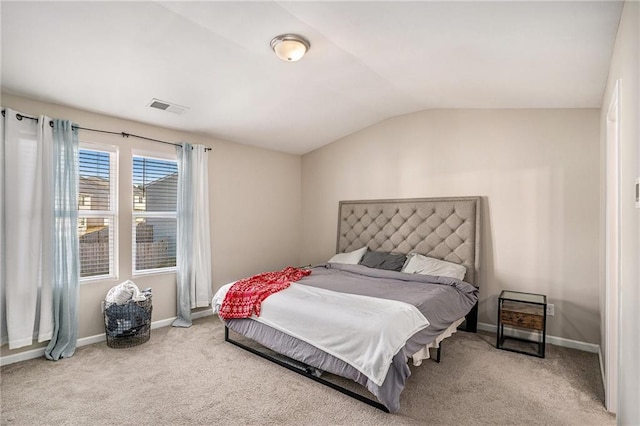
[[124, 292]]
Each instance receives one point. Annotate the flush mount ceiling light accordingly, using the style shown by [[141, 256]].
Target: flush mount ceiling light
[[290, 47]]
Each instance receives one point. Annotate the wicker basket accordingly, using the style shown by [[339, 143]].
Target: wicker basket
[[127, 325]]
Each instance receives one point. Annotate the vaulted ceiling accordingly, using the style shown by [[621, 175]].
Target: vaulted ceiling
[[368, 61]]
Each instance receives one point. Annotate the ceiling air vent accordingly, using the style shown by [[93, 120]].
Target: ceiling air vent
[[167, 106]]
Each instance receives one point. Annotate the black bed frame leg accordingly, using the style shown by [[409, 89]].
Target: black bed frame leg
[[438, 352], [472, 320]]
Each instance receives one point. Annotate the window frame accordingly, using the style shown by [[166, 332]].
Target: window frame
[[112, 213], [161, 156]]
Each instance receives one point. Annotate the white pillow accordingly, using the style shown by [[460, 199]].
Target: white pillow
[[351, 258], [419, 264]]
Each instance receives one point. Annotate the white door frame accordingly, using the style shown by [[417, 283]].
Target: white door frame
[[612, 248]]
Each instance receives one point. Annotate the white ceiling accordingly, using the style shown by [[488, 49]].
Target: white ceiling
[[368, 61]]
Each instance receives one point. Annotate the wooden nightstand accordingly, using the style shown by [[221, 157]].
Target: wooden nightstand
[[526, 311]]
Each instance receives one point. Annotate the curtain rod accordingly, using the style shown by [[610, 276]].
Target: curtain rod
[[123, 134]]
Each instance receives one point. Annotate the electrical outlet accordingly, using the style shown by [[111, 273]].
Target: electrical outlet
[[550, 309]]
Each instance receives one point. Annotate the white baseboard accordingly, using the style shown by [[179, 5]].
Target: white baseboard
[[554, 340], [202, 314], [600, 358], [37, 353]]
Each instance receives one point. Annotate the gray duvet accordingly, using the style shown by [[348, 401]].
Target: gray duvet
[[441, 300]]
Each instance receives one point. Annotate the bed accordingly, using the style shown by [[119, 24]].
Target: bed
[[415, 311]]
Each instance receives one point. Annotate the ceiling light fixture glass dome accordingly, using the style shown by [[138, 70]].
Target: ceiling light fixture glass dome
[[290, 47]]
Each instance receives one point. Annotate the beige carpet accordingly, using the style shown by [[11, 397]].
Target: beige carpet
[[191, 376]]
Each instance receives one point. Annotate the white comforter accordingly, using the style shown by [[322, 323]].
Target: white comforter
[[365, 332]]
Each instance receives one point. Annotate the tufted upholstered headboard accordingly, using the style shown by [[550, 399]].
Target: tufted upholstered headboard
[[443, 228]]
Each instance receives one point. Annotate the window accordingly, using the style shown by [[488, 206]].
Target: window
[[155, 195], [97, 211]]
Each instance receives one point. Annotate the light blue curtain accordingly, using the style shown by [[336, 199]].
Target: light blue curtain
[[185, 231], [194, 243], [66, 247]]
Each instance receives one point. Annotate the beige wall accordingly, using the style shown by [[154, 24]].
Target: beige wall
[[538, 174], [254, 203], [625, 66]]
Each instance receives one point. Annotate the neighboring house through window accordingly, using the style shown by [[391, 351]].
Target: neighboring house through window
[[97, 210], [155, 194]]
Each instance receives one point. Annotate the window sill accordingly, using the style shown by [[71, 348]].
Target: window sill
[[87, 280], [154, 272]]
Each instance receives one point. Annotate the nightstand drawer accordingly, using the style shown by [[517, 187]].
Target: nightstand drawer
[[522, 319]]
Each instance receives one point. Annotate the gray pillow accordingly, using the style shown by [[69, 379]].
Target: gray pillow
[[383, 260]]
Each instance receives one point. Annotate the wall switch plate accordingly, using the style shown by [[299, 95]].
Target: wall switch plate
[[550, 309]]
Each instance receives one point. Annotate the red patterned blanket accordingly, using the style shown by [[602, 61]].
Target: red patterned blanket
[[245, 297]]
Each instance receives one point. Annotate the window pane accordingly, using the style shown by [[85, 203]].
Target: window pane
[[155, 243], [155, 185], [96, 211], [96, 246], [95, 180]]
